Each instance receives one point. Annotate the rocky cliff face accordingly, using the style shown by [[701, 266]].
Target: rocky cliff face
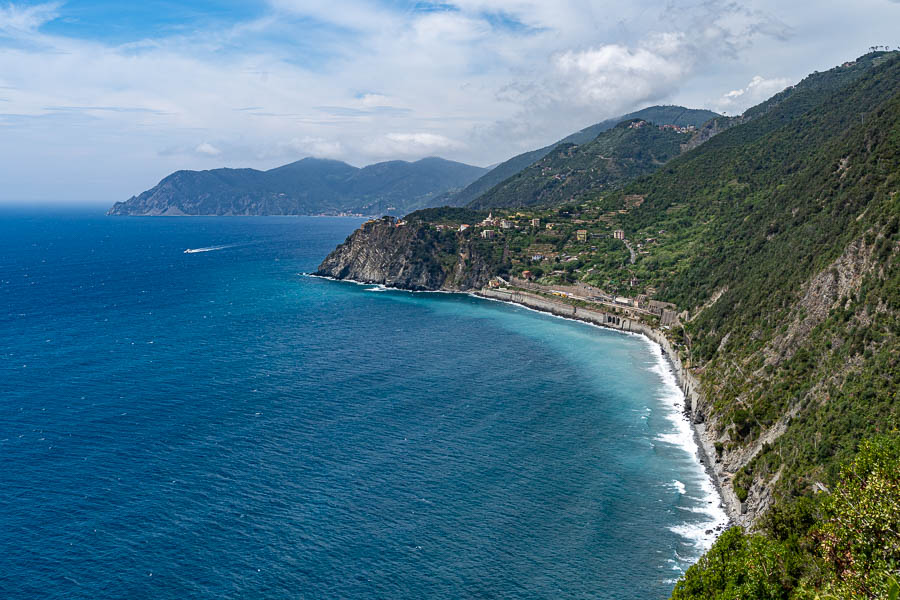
[[412, 256]]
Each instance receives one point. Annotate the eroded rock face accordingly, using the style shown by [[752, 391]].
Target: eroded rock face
[[828, 289], [412, 256]]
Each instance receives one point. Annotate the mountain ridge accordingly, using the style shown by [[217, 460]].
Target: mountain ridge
[[571, 173], [307, 186], [661, 114]]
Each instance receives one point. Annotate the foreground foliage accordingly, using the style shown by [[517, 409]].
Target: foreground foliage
[[843, 544]]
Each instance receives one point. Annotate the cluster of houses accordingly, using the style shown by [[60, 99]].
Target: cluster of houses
[[489, 222], [676, 128], [666, 311]]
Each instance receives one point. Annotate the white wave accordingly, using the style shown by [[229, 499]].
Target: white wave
[[676, 438], [701, 534], [677, 485], [377, 288], [699, 510]]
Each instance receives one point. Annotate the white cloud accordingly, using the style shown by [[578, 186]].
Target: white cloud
[[615, 76], [207, 149], [17, 19], [408, 145], [422, 140], [753, 93], [356, 15], [311, 146], [372, 100]]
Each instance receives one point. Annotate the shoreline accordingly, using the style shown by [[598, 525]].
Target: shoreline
[[705, 450], [684, 381]]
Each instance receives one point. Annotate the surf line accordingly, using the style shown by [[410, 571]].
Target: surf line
[[712, 503]]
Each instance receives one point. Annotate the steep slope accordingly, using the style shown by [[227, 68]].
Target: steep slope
[[574, 173], [782, 243], [673, 115], [778, 241], [308, 186]]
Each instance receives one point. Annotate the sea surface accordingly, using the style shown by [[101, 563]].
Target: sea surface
[[217, 425]]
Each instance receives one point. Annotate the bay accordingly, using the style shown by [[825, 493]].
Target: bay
[[217, 424]]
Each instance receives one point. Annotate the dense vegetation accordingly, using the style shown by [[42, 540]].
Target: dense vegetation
[[308, 186], [793, 218], [446, 214], [842, 544], [673, 115], [571, 173]]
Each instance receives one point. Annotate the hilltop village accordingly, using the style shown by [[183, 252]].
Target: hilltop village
[[579, 254]]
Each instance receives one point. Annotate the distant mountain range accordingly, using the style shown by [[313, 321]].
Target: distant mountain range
[[306, 187], [319, 186]]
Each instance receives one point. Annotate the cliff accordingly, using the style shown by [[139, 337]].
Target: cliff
[[412, 256]]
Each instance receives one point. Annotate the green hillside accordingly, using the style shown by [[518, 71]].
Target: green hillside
[[781, 239], [673, 115], [571, 173]]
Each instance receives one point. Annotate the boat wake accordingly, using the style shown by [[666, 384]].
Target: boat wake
[[209, 248]]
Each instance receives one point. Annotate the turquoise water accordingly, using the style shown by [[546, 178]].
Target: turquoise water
[[216, 424]]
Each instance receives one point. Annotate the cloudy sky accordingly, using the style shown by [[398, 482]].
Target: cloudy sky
[[99, 99]]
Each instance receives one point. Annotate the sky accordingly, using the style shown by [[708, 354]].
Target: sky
[[100, 99]]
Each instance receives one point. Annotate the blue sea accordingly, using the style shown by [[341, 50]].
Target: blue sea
[[218, 425]]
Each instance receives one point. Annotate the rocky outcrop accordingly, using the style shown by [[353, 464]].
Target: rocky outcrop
[[709, 130], [411, 256]]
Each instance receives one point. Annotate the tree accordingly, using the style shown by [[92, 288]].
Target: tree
[[861, 538]]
